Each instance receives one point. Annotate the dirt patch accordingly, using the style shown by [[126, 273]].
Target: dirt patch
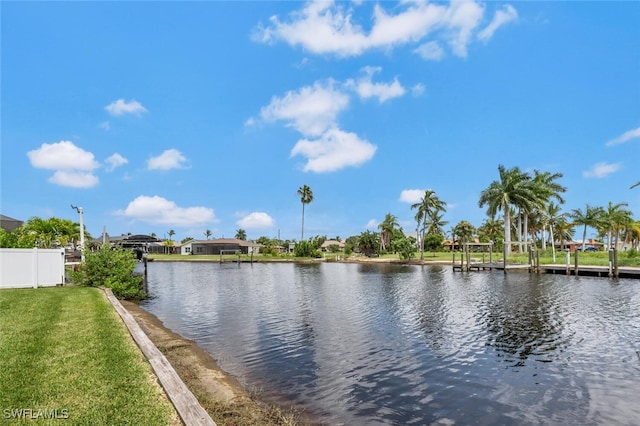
[[224, 398]]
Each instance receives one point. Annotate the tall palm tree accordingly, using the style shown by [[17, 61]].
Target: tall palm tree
[[513, 189], [306, 196], [387, 226], [207, 234], [589, 217], [171, 234], [428, 205], [547, 188]]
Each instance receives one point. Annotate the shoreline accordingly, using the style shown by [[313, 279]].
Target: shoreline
[[220, 394]]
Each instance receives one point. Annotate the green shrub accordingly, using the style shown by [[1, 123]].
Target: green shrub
[[112, 268], [306, 249]]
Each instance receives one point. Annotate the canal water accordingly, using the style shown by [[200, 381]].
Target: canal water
[[368, 344]]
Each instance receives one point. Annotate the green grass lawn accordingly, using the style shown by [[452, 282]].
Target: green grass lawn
[[65, 353]]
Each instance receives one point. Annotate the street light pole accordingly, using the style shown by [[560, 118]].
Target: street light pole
[[81, 213]]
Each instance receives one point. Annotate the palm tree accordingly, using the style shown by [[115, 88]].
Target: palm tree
[[306, 196], [563, 231], [428, 205], [207, 234], [614, 218], [552, 216], [171, 234], [547, 188], [491, 230], [635, 184], [589, 217], [513, 189], [387, 226], [241, 234], [435, 224]]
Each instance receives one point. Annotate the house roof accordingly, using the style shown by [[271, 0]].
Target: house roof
[[9, 224], [330, 243]]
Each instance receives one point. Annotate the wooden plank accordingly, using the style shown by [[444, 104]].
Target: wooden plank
[[186, 404]]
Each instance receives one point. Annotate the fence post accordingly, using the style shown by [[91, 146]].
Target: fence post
[[575, 272], [34, 257]]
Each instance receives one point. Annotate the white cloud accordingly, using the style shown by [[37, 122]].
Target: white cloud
[[310, 110], [500, 18], [121, 107], [601, 170], [625, 137], [115, 161], [430, 51], [105, 126], [72, 165], [74, 179], [160, 211], [169, 159], [417, 89], [326, 27], [256, 220], [334, 150], [372, 224], [63, 155], [411, 196], [383, 91]]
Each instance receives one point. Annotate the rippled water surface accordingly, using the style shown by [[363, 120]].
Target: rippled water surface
[[392, 344]]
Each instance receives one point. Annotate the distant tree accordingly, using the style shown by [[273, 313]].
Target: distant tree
[[492, 230], [306, 196], [427, 216], [207, 234], [387, 226], [614, 218], [465, 231], [153, 234], [368, 243], [514, 188], [590, 217], [171, 234], [186, 240], [241, 234], [433, 242]]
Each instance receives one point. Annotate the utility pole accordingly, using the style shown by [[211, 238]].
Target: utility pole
[[80, 212]]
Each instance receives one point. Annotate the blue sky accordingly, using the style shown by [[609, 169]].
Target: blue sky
[[210, 115]]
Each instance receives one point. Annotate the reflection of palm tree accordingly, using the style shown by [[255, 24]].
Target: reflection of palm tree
[[306, 196]]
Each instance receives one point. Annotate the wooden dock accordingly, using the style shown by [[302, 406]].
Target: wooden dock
[[490, 266], [593, 271]]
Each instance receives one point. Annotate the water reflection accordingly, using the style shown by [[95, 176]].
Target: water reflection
[[398, 344]]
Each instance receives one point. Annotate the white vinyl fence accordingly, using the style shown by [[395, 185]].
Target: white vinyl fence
[[21, 268]]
